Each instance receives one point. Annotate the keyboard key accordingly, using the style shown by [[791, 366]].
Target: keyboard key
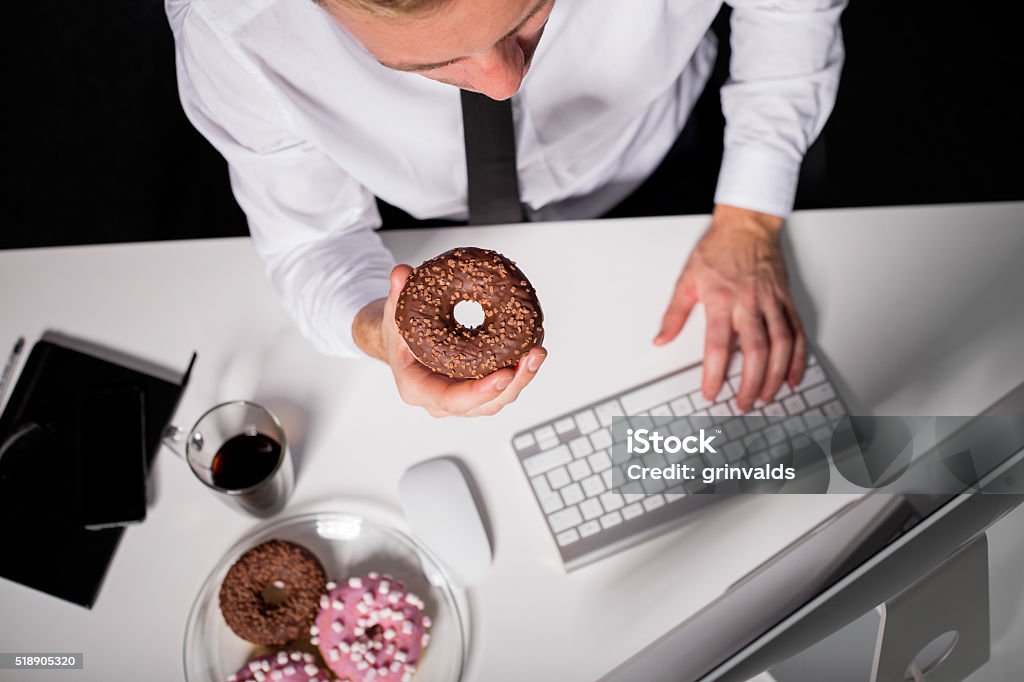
[[607, 478], [654, 485], [641, 421], [779, 451], [601, 439], [720, 410], [593, 486], [589, 528], [835, 409], [631, 511], [572, 493], [612, 519], [565, 425], [794, 426], [681, 427], [700, 420], [558, 478], [591, 509], [758, 458], [818, 395], [551, 502], [544, 461], [814, 418], [545, 433], [524, 441], [755, 441], [774, 434], [612, 501], [681, 406], [661, 391], [653, 502], [774, 410], [734, 450], [630, 498], [607, 410], [565, 519], [579, 469], [812, 375], [784, 391], [699, 403], [822, 434], [754, 420], [674, 494], [587, 422], [567, 537], [713, 459], [734, 428], [540, 485], [662, 415], [676, 457], [599, 461], [794, 404], [581, 447]]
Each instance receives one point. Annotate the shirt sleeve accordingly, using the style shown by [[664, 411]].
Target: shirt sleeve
[[311, 222], [783, 78]]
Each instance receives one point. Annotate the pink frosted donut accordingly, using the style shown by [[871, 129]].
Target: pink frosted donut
[[371, 629], [284, 666]]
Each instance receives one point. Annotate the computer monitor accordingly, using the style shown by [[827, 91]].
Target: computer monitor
[[869, 553]]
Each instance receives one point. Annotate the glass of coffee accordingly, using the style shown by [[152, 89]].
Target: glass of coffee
[[239, 450]]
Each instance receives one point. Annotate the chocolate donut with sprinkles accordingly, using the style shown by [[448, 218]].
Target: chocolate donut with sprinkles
[[271, 595], [425, 313]]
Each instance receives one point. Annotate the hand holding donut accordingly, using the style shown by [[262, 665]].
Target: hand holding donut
[[737, 272], [377, 333]]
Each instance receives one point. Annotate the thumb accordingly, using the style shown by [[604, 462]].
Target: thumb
[[399, 274]]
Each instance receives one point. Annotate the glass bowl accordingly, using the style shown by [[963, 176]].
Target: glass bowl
[[347, 545]]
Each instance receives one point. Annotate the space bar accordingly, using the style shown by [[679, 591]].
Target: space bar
[[662, 391]]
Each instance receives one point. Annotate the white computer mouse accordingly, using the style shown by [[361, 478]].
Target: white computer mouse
[[443, 515]]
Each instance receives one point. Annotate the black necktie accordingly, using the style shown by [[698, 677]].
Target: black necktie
[[490, 160]]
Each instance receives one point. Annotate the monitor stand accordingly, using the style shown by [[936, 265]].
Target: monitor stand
[[937, 630]]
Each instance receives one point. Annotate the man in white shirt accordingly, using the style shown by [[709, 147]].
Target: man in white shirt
[[318, 108]]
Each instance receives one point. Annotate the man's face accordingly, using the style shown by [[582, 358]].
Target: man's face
[[480, 45]]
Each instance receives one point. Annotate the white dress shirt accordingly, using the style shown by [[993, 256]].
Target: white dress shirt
[[312, 127]]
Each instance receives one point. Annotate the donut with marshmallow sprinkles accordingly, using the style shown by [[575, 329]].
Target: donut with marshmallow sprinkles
[[371, 629], [284, 666]]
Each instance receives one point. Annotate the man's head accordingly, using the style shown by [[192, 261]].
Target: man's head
[[480, 45]]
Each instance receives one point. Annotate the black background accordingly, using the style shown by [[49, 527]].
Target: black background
[[97, 149]]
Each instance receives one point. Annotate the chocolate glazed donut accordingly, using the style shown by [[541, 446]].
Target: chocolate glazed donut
[[425, 314], [290, 569]]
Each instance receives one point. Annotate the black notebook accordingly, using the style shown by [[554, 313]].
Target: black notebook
[[44, 544]]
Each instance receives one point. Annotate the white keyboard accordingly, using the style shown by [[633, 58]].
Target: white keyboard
[[568, 460]]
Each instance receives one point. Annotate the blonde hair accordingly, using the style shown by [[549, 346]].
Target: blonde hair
[[388, 8]]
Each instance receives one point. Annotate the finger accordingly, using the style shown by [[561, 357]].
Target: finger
[[780, 354], [754, 345], [399, 274], [798, 362], [526, 370], [679, 309], [419, 386], [716, 350]]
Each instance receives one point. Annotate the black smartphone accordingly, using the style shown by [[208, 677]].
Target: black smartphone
[[111, 457]]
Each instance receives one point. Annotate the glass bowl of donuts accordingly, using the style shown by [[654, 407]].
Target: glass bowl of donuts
[[321, 597]]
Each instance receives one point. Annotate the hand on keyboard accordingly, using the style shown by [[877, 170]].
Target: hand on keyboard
[[377, 334], [737, 272]]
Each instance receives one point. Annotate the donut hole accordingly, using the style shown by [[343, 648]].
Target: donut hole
[[469, 314], [274, 594], [375, 632]]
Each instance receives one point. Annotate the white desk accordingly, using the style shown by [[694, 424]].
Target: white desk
[[916, 311]]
